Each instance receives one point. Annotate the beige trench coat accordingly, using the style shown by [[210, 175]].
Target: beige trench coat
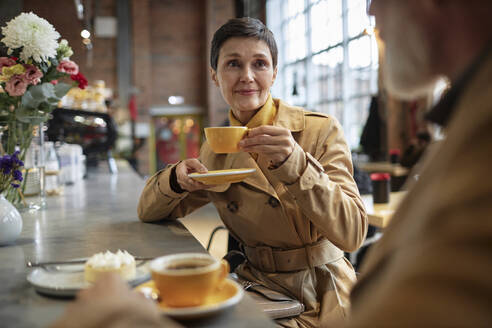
[[310, 197], [432, 268]]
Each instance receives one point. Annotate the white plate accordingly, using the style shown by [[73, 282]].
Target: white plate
[[67, 279]]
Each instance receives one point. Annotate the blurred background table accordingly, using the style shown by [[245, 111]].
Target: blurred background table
[[380, 215], [95, 215], [386, 167]]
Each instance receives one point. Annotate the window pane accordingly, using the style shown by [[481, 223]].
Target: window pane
[[359, 110], [331, 88], [331, 108], [295, 78], [327, 74], [296, 38], [360, 52], [294, 7], [274, 19], [358, 19], [335, 109], [326, 24], [360, 82], [331, 59]]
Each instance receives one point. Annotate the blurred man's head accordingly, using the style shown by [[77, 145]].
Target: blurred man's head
[[427, 39]]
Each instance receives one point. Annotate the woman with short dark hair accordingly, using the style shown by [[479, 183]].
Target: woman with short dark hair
[[298, 213]]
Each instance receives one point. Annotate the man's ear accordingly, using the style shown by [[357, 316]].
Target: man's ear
[[213, 76]]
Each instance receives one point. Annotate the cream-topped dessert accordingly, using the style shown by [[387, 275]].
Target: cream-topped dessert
[[120, 262]]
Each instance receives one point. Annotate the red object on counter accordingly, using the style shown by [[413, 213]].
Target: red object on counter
[[380, 176]]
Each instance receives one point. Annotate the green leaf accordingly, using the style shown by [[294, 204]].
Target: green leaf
[[38, 101], [52, 74], [43, 91], [61, 89], [54, 61], [29, 101], [44, 67], [38, 94], [30, 115]]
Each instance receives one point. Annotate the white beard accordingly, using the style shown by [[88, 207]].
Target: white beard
[[407, 66]]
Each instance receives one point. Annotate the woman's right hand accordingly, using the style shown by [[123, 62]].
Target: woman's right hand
[[189, 166]]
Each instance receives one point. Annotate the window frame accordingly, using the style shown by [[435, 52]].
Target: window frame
[[351, 119]]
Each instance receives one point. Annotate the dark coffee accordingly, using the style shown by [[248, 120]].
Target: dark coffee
[[187, 265], [183, 266]]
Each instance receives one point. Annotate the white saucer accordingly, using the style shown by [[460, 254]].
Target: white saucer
[[68, 279]]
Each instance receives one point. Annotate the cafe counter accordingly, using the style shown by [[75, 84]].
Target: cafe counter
[[95, 215]]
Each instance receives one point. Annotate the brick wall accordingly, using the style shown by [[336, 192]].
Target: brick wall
[[218, 12], [170, 50], [61, 14]]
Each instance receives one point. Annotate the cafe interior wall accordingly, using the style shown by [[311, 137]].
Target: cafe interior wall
[[170, 44]]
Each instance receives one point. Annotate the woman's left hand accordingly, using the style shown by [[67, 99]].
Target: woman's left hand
[[273, 142]]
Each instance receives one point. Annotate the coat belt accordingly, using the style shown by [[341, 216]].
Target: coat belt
[[268, 259]]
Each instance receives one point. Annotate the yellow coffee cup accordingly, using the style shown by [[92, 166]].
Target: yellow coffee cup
[[224, 139], [187, 279]]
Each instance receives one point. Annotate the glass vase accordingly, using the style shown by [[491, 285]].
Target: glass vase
[[33, 189]]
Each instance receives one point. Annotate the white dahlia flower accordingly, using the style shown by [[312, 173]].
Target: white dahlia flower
[[37, 37]]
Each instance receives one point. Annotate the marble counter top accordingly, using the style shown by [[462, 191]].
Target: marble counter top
[[94, 215]]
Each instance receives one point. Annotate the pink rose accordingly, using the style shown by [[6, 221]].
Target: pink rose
[[6, 61], [68, 66], [32, 74], [54, 82], [16, 86]]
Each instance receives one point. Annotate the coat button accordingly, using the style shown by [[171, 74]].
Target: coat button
[[232, 206], [273, 202]]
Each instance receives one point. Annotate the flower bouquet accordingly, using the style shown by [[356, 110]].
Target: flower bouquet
[[31, 82], [10, 171], [10, 179]]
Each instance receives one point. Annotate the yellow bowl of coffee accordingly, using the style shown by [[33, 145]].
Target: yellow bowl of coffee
[[187, 279]]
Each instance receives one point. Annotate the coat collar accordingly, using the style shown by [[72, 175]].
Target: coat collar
[[289, 117], [264, 116]]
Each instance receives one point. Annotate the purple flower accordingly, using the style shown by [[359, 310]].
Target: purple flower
[[16, 159], [10, 173], [17, 175], [6, 164]]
